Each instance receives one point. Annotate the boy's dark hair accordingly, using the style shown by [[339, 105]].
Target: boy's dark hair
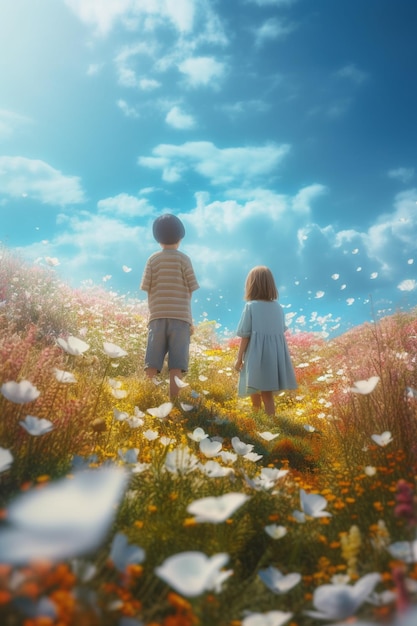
[[168, 229]]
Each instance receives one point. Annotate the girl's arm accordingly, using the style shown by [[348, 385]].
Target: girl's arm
[[241, 353]]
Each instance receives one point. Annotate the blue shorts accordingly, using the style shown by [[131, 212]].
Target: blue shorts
[[168, 336]]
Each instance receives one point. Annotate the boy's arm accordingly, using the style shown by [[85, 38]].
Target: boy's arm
[[145, 283]]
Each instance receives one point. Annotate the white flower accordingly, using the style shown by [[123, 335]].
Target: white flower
[[6, 459], [270, 618], [161, 411], [240, 447], [113, 351], [213, 469], [138, 468], [150, 435], [253, 456], [19, 392], [73, 345], [275, 531], [216, 509], [312, 504], [209, 447], [383, 439], [63, 519], [198, 434], [268, 436], [123, 554], [365, 386], [338, 602], [404, 550], [193, 573], [120, 416], [64, 377], [181, 461], [129, 456], [228, 457], [276, 581], [36, 426]]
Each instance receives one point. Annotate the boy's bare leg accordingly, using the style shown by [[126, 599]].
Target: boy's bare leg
[[269, 404], [173, 387], [256, 401], [151, 372]]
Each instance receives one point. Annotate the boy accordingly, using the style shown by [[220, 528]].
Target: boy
[[169, 280]]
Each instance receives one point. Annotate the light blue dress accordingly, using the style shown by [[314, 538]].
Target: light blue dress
[[267, 363]]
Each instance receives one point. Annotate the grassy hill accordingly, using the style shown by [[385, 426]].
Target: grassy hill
[[120, 508]]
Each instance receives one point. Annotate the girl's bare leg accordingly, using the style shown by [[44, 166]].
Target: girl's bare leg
[[256, 401], [269, 404]]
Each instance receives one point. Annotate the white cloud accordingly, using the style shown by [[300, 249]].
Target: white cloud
[[10, 122], [202, 71], [302, 200], [352, 73], [103, 15], [124, 205], [126, 109], [220, 166], [271, 30], [36, 179], [149, 84], [180, 120], [276, 3], [403, 174]]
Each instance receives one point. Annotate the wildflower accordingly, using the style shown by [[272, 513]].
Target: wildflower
[[73, 345], [113, 351], [351, 544], [64, 377], [217, 509], [64, 519], [198, 434], [210, 447], [161, 411], [129, 456], [270, 618], [268, 436], [275, 531], [404, 551], [312, 504], [181, 461], [278, 582], [192, 573], [6, 459], [240, 447], [382, 440], [338, 602], [20, 393], [123, 554], [406, 503], [36, 426], [213, 469], [365, 386]]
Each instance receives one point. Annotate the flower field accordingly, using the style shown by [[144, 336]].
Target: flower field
[[121, 508]]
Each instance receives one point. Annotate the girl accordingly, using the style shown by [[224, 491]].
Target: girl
[[263, 359]]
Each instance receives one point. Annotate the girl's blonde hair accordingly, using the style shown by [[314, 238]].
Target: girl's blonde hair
[[260, 284]]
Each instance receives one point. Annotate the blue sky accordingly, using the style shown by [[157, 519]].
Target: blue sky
[[282, 132]]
